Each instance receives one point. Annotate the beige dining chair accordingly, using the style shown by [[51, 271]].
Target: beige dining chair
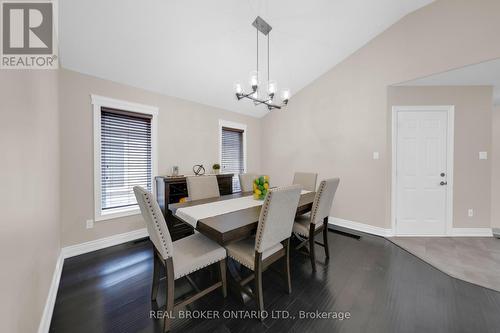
[[311, 224], [179, 258], [246, 181], [271, 240], [202, 187], [305, 179]]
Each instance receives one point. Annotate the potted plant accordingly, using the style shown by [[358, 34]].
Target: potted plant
[[216, 168]]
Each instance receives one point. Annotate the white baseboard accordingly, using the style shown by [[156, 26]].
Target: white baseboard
[[75, 250], [369, 229], [471, 232], [44, 325]]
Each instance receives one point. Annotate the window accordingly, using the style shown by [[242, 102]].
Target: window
[[233, 154], [123, 155]]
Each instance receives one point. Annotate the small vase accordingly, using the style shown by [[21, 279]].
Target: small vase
[[216, 171]]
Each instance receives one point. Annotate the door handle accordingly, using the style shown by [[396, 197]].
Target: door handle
[[443, 183]]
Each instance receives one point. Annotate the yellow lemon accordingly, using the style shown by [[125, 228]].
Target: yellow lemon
[[266, 186], [258, 192], [266, 177]]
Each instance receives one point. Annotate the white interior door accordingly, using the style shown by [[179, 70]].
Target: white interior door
[[421, 172]]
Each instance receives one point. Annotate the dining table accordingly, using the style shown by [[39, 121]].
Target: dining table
[[230, 218]]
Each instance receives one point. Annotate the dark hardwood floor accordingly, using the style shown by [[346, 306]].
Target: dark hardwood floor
[[384, 288]]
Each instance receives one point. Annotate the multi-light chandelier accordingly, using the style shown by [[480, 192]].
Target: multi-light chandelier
[[262, 95]]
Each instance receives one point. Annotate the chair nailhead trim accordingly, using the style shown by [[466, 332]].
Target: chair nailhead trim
[[316, 202], [241, 261], [301, 231], [155, 218], [199, 267], [264, 217]]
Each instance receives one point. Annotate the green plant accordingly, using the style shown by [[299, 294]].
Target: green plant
[[216, 166], [260, 187]]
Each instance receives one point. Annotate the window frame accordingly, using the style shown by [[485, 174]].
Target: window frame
[[237, 126], [99, 102]]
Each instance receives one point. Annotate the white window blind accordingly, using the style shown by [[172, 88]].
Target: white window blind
[[232, 154], [126, 159]]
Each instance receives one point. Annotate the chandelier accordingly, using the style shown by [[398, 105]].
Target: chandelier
[[262, 95]]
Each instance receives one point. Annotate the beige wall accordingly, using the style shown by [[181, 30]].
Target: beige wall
[[335, 124], [472, 176], [29, 200], [495, 168], [188, 135]]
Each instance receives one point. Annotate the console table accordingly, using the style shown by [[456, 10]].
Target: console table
[[170, 190]]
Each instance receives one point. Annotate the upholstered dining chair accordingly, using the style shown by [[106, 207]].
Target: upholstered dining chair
[[305, 179], [311, 224], [180, 258], [271, 240], [202, 187], [246, 181]]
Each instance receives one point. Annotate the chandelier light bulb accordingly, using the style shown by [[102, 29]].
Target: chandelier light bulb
[[285, 95], [254, 80], [237, 88], [272, 87]]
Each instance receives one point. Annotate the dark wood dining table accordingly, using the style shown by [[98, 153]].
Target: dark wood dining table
[[238, 224], [233, 226]]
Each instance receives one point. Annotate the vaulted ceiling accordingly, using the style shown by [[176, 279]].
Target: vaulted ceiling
[[197, 49]]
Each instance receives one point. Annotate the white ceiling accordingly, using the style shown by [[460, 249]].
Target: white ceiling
[[197, 49], [483, 74]]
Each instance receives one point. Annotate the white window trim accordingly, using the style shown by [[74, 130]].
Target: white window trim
[[240, 126], [98, 102]]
